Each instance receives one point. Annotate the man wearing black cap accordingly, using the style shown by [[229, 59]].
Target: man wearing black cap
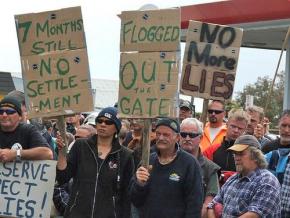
[[173, 188], [253, 191], [101, 170], [18, 140]]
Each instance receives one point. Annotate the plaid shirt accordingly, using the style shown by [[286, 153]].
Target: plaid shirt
[[258, 192], [285, 193]]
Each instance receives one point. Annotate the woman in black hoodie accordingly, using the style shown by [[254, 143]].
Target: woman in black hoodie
[[101, 170]]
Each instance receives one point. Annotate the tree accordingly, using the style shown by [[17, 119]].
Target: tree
[[260, 90]]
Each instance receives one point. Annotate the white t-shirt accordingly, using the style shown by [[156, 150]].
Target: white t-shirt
[[213, 133]]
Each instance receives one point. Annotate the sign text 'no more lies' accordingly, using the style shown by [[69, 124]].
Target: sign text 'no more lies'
[[210, 60]]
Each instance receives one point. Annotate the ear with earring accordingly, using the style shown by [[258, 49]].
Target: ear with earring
[[116, 135]]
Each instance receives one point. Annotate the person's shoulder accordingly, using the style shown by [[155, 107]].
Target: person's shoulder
[[211, 164], [271, 145], [186, 157], [264, 176]]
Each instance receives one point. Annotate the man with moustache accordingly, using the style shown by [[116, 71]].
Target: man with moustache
[[173, 188], [190, 135], [284, 131], [215, 129], [279, 156], [252, 192]]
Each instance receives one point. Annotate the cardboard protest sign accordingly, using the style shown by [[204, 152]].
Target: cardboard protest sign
[[54, 63], [26, 188], [210, 60], [152, 30], [56, 83], [148, 84], [50, 31]]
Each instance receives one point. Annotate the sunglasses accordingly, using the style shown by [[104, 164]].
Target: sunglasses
[[107, 122], [214, 111], [7, 111], [190, 134]]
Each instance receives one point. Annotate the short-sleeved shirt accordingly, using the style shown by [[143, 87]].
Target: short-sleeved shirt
[[259, 192], [25, 134]]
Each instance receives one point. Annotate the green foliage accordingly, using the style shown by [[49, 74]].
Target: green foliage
[[260, 90]]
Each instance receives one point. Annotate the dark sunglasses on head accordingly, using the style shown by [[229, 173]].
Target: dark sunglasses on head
[[190, 134], [214, 111], [107, 122], [7, 111]]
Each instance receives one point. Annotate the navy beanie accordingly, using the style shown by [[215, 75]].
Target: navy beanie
[[111, 114], [172, 124], [11, 102]]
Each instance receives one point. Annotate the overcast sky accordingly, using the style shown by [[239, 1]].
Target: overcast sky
[[102, 28]]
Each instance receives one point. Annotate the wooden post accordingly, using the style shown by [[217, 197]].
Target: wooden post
[[204, 111], [62, 130], [146, 142]]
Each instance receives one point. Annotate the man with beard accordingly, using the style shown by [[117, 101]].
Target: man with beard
[[219, 153], [173, 188], [190, 134], [215, 129], [284, 130], [252, 192], [277, 152]]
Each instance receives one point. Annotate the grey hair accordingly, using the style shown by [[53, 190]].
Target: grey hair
[[285, 113], [258, 156], [257, 110], [89, 128], [195, 122]]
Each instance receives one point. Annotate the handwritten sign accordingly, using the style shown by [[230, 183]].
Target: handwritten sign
[[210, 60], [148, 84], [54, 62], [26, 188], [152, 30], [50, 31]]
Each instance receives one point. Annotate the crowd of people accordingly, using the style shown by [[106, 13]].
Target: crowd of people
[[229, 167]]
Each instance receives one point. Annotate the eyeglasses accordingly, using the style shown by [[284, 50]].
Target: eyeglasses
[[7, 111], [190, 134], [214, 111], [107, 122]]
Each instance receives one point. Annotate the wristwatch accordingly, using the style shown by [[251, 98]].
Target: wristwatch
[[17, 147], [18, 155]]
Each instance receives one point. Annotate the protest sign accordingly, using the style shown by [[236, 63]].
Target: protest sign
[[50, 31], [26, 188], [152, 30], [148, 84], [210, 60], [57, 83], [54, 62]]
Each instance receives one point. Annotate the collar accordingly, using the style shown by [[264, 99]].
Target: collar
[[250, 176]]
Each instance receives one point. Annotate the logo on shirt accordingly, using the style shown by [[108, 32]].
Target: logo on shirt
[[113, 165], [174, 177]]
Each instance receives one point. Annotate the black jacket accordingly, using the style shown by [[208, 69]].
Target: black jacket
[[174, 190], [100, 188]]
